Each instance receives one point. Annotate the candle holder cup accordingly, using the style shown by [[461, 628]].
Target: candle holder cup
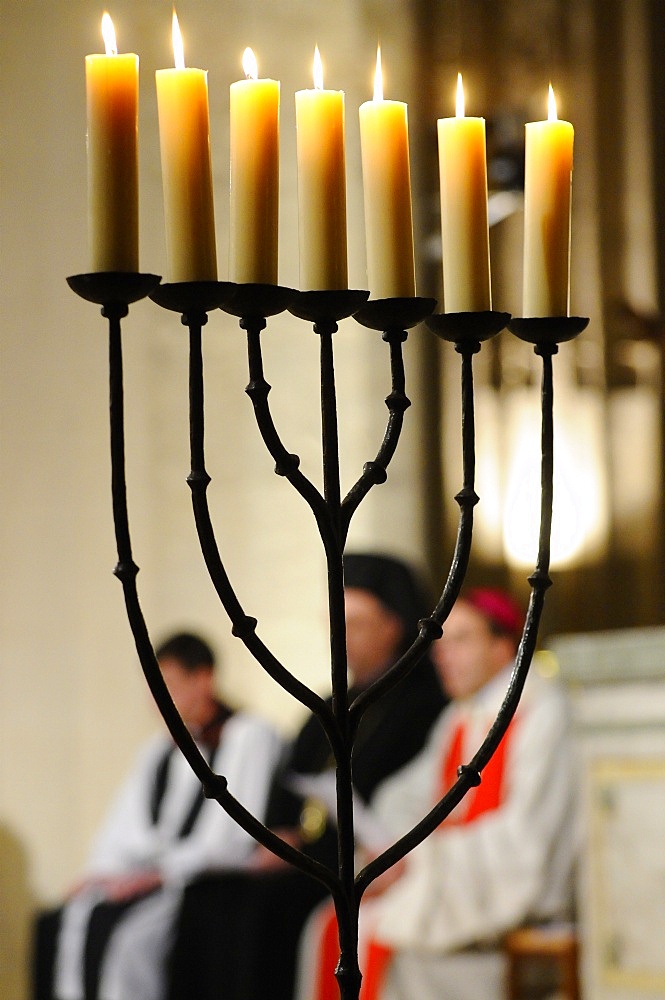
[[113, 288], [328, 305], [188, 297], [332, 513], [549, 331], [259, 301], [465, 329], [394, 313]]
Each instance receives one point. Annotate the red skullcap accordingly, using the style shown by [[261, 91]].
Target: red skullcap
[[498, 607]]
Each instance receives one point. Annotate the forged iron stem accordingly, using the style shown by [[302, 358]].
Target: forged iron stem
[[346, 905]]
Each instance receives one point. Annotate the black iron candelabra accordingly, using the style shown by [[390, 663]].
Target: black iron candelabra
[[254, 305]]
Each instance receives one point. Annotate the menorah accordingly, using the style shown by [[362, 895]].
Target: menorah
[[254, 304]]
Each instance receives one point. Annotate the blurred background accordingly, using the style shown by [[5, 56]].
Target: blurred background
[[73, 705]]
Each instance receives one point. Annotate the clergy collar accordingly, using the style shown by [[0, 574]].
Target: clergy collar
[[209, 734]]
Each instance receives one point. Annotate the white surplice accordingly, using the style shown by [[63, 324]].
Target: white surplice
[[471, 882], [129, 841]]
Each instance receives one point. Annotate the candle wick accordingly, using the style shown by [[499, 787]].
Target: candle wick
[[378, 77]]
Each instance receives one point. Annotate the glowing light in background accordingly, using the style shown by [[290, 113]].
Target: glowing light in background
[[580, 510]]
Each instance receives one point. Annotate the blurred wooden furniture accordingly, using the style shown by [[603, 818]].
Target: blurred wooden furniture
[[555, 944]]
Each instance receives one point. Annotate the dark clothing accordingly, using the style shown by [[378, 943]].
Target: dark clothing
[[238, 934]]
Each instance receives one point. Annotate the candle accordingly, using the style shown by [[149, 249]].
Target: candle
[[464, 227], [254, 176], [184, 135], [112, 110], [321, 185], [547, 198], [387, 192]]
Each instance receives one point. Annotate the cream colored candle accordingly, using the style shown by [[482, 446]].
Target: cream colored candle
[[112, 107], [254, 218], [548, 174], [184, 135], [464, 225], [321, 186], [387, 192]]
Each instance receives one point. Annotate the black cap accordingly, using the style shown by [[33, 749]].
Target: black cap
[[393, 582]]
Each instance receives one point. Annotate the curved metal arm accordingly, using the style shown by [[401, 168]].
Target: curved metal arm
[[374, 473], [286, 463], [470, 774], [243, 625], [430, 628]]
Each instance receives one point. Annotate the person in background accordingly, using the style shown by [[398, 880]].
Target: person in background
[[269, 907], [505, 856], [111, 939]]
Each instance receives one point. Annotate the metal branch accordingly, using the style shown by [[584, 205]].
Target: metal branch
[[430, 628], [374, 473], [286, 463], [244, 626]]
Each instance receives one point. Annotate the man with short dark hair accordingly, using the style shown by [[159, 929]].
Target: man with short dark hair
[[116, 930]]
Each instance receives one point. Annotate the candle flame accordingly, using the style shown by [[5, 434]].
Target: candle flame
[[108, 34], [318, 69], [551, 106], [459, 101], [178, 48], [378, 77], [249, 65]]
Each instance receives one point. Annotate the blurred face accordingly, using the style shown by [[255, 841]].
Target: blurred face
[[373, 633], [469, 655], [192, 693]]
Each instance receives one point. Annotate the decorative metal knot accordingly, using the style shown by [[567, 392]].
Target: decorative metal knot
[[126, 570], [216, 786], [430, 629], [470, 773], [398, 402], [287, 464], [375, 472], [198, 480], [244, 627]]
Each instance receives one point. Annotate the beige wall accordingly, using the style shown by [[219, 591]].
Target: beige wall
[[72, 703]]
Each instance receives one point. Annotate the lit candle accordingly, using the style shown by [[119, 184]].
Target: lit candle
[[184, 135], [112, 106], [548, 173], [321, 186], [464, 227], [254, 176], [387, 192]]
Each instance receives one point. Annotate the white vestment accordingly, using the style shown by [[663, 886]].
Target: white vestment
[[472, 881], [130, 841]]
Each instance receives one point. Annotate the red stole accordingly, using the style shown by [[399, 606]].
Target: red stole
[[478, 801]]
